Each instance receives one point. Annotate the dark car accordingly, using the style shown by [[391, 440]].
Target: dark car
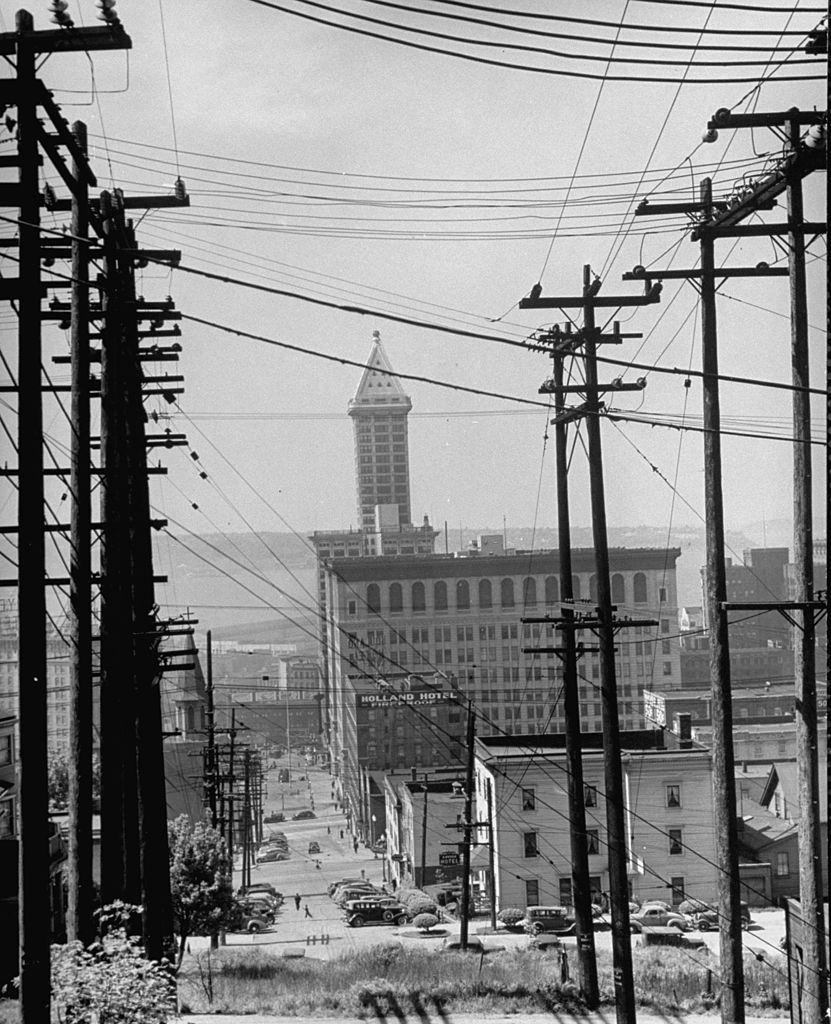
[[303, 815], [707, 920], [274, 818], [361, 912], [474, 945], [556, 920]]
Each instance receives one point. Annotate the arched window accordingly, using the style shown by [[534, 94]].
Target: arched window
[[485, 594], [419, 602], [639, 587], [373, 598], [552, 590], [440, 596], [462, 596], [529, 593], [396, 598], [576, 592], [618, 589], [506, 597], [592, 587]]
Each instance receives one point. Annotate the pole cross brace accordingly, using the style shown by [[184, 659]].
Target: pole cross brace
[[783, 607], [548, 387]]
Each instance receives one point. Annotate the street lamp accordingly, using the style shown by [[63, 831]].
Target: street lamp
[[372, 834]]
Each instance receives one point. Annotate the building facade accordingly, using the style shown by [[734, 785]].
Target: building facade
[[461, 617], [668, 805]]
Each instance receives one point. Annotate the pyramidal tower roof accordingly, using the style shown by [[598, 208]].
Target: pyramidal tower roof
[[377, 386]]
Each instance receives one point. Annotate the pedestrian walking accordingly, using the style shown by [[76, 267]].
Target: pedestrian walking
[[341, 833], [297, 900], [355, 845], [328, 830], [308, 912]]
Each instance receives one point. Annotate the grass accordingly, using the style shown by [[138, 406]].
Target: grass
[[399, 980]]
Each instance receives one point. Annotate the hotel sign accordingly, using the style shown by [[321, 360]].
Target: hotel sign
[[406, 698]]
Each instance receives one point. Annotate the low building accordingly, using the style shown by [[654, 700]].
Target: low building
[[668, 803], [420, 847]]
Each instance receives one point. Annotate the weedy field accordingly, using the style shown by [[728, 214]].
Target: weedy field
[[399, 980]]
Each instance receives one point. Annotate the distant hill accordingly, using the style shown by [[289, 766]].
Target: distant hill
[[236, 579]]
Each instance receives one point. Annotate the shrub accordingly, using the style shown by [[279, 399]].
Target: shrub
[[425, 921], [421, 905], [510, 916], [111, 982], [692, 906]]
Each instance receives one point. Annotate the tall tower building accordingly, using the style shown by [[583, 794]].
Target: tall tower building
[[382, 462]]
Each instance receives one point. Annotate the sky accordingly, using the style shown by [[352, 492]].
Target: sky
[[258, 110]]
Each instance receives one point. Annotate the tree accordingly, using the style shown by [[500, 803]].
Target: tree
[[511, 916], [200, 880], [58, 781], [424, 922]]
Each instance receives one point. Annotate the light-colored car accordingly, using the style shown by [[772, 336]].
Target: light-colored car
[[270, 855], [656, 917]]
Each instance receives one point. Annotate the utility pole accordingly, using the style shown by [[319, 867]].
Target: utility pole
[[246, 819], [491, 857], [231, 784], [604, 623], [425, 790], [33, 844], [211, 767], [80, 926], [581, 890], [468, 825]]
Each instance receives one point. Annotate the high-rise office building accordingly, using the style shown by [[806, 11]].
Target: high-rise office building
[[382, 464]]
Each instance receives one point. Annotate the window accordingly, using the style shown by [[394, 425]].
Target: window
[[462, 595], [507, 593], [592, 841], [485, 594], [593, 588], [529, 800], [677, 885], [351, 607], [667, 668], [6, 819], [565, 892], [575, 587], [529, 844], [782, 866], [552, 590], [440, 596], [590, 796], [6, 749], [532, 892], [676, 846], [618, 588], [396, 598], [419, 601], [673, 795], [529, 593], [373, 598], [639, 587]]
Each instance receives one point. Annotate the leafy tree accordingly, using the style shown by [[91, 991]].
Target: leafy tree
[[425, 922], [200, 880], [58, 781]]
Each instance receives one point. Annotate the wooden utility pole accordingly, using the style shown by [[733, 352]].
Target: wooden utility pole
[[231, 784], [210, 767], [491, 856], [79, 920], [604, 623], [33, 843], [724, 785], [246, 818], [615, 823], [468, 825], [580, 887]]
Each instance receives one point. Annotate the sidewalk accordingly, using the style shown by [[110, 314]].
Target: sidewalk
[[442, 1017]]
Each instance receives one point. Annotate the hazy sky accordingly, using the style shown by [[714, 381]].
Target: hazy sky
[[313, 108]]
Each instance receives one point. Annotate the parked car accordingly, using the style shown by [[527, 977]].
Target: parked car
[[274, 817], [474, 945], [557, 920], [707, 920], [256, 887], [270, 855], [252, 922], [304, 815], [360, 912], [656, 917], [661, 904], [342, 881], [345, 895], [314, 847], [259, 908]]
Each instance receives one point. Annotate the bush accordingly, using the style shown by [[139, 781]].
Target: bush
[[510, 916], [421, 905], [693, 906], [425, 921], [111, 982]]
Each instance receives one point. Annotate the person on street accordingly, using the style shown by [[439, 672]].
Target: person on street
[[308, 912], [297, 900]]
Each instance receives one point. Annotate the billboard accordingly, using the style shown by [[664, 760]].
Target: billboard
[[406, 698]]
